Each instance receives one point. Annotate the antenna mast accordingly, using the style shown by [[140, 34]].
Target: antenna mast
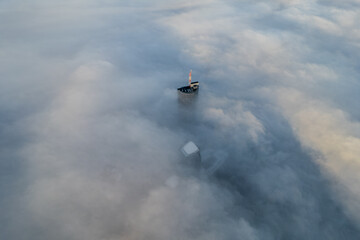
[[190, 78]]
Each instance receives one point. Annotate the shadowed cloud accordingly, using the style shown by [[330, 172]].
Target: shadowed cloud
[[91, 125]]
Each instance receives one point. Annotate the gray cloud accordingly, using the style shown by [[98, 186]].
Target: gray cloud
[[91, 127]]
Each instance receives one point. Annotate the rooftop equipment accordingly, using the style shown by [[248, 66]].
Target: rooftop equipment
[[191, 89]]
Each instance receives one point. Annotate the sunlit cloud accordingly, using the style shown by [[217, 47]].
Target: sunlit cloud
[[91, 127]]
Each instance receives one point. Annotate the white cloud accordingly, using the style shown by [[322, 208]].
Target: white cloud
[[90, 125], [331, 134]]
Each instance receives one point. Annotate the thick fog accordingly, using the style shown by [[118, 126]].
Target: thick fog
[[91, 125]]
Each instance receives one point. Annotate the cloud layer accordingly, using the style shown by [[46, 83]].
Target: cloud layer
[[91, 127]]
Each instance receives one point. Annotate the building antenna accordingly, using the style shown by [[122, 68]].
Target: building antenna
[[190, 78]]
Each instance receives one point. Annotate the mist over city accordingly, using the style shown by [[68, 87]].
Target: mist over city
[[92, 124]]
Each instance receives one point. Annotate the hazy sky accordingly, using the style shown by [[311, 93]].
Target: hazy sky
[[91, 125]]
